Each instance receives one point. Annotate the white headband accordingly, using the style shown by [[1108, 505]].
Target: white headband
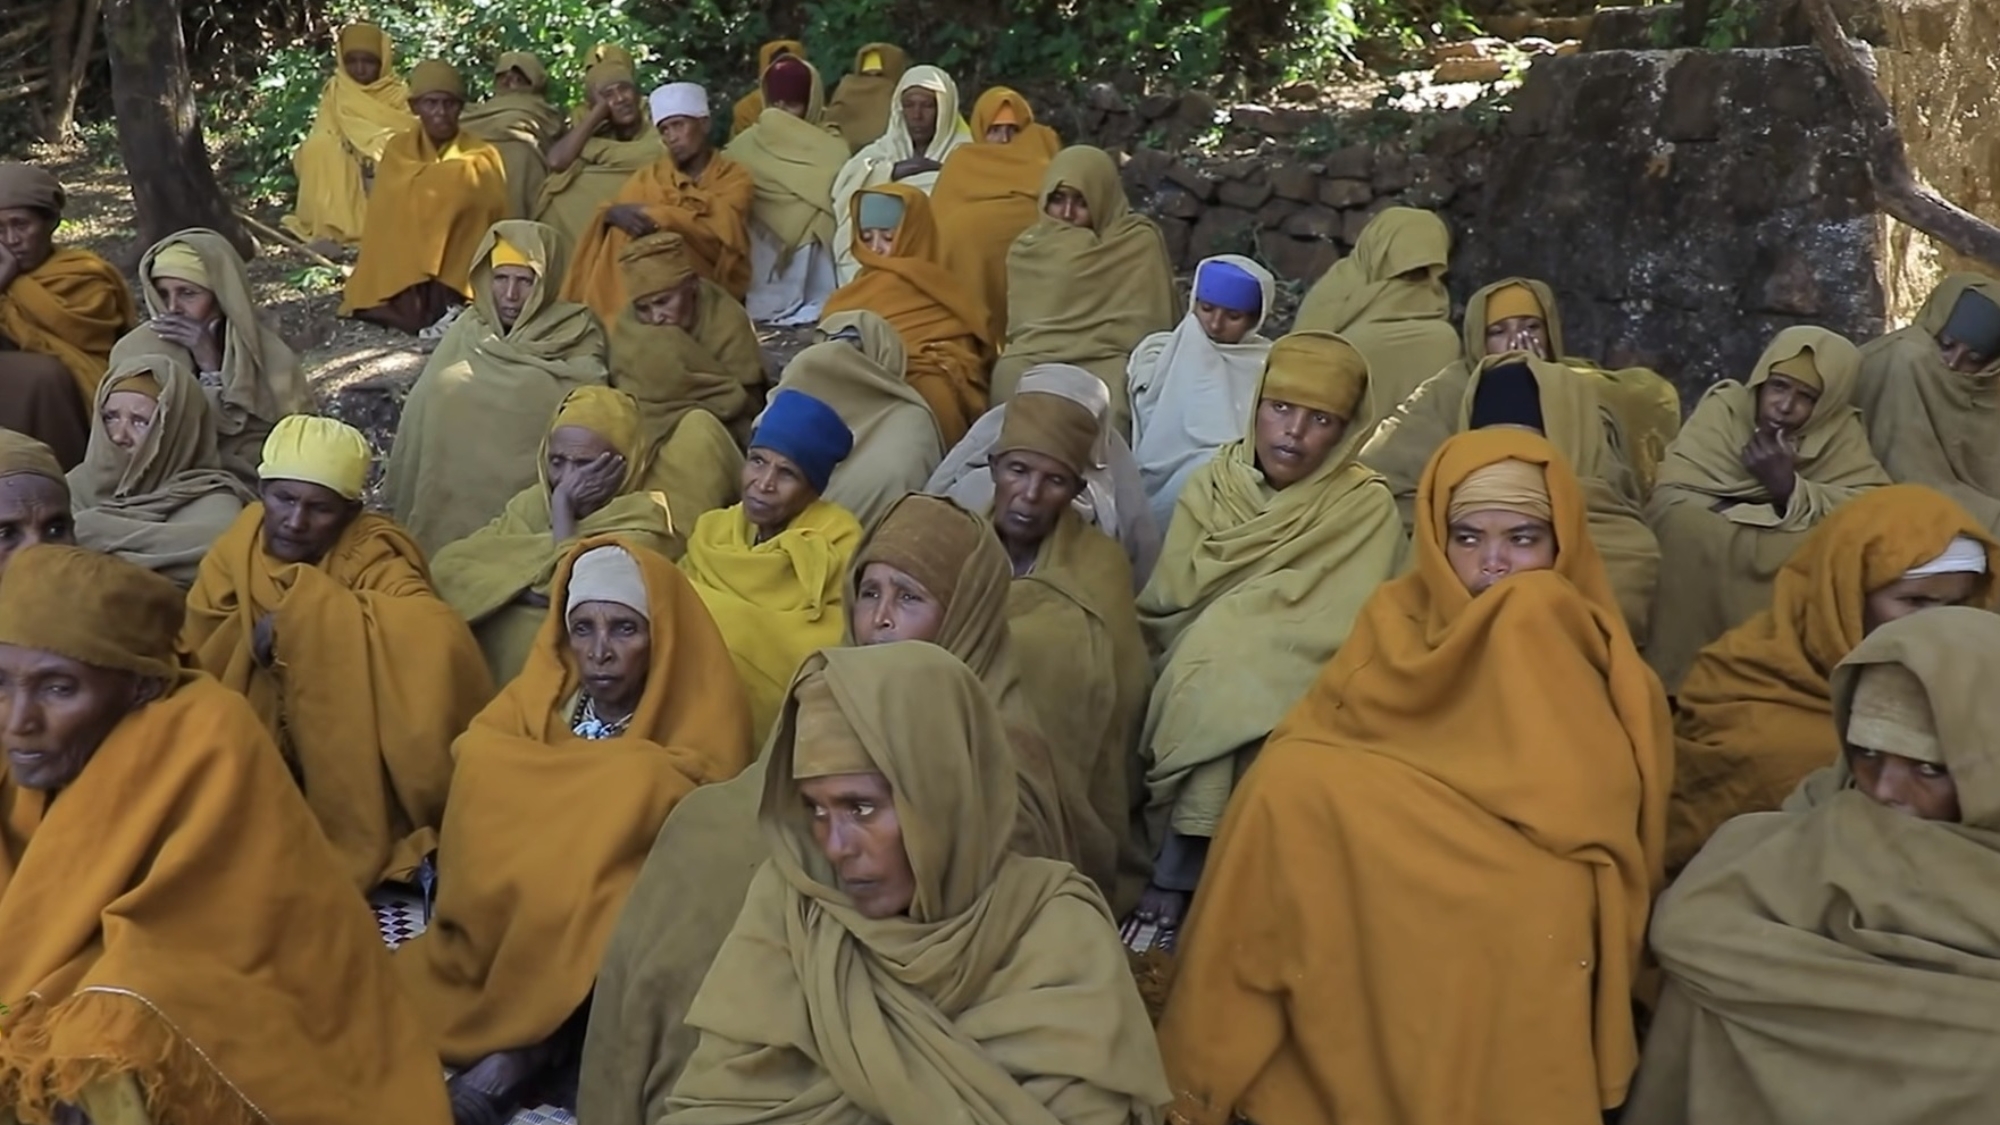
[[679, 99], [1964, 556]]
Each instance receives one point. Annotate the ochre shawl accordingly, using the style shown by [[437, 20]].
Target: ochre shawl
[[161, 504], [1001, 998], [429, 209], [710, 212], [793, 161], [775, 601], [74, 307], [352, 127], [1721, 541], [1472, 782], [469, 427], [858, 112], [180, 919], [987, 195], [1834, 964], [1085, 295], [521, 125], [1752, 718], [1587, 433], [522, 918], [896, 440], [943, 327], [1931, 425], [572, 200], [372, 676], [1401, 324]]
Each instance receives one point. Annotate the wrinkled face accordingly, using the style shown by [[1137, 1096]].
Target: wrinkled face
[[1030, 491], [128, 418], [891, 605], [32, 510], [1960, 358], [513, 80], [1785, 405], [920, 117], [303, 520], [1910, 787], [570, 449], [623, 99], [613, 647], [29, 234], [881, 240], [854, 823], [670, 308], [186, 299], [1001, 134], [1224, 326], [1484, 547], [55, 712], [1294, 441], [439, 114], [775, 490], [1906, 596], [362, 65], [511, 286], [1067, 204], [686, 138], [1519, 334]]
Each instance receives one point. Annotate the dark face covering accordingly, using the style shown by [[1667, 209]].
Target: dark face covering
[[1975, 322], [1507, 395]]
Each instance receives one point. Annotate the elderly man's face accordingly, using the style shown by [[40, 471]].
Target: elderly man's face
[[55, 712]]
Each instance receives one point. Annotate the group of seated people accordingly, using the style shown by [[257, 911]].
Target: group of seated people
[[1193, 627]]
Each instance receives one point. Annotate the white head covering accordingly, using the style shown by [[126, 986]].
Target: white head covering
[[1191, 396], [878, 159], [607, 574], [1112, 498], [1961, 556], [679, 99]]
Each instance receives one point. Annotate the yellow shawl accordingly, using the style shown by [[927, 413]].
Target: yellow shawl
[[775, 601], [371, 678], [1721, 542], [1402, 325], [987, 195], [1086, 295], [429, 209], [896, 440], [1001, 998], [176, 916], [573, 199], [1931, 425], [352, 127], [163, 503], [793, 162], [483, 402], [522, 919], [74, 307], [711, 213]]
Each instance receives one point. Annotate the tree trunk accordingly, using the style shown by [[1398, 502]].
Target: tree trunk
[[159, 133], [72, 30]]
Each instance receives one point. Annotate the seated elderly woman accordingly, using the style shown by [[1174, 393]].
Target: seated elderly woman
[[1388, 299], [923, 129], [180, 943], [323, 615], [1833, 962], [1923, 394], [34, 496], [153, 489], [1193, 389], [858, 112], [1517, 390], [1751, 718], [610, 137], [1086, 283], [61, 309], [948, 333], [519, 121], [438, 190], [1275, 547], [627, 704], [794, 160], [894, 958], [466, 439], [769, 567], [197, 295], [857, 368], [362, 107], [591, 464], [1428, 899], [1757, 467], [929, 571], [989, 192]]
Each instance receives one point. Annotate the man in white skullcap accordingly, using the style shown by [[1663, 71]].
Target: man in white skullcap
[[694, 191]]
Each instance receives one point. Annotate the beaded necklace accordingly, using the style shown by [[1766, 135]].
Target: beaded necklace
[[585, 723]]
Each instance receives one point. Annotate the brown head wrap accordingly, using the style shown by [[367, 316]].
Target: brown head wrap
[[1050, 425], [1510, 301], [25, 185], [657, 262], [606, 73], [92, 608], [1316, 370], [927, 538], [1509, 486], [825, 742], [435, 76], [20, 453], [1801, 369]]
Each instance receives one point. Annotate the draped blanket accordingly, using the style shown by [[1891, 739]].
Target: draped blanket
[[987, 194], [74, 307], [896, 441], [1402, 324], [710, 212], [429, 209], [572, 200], [352, 127]]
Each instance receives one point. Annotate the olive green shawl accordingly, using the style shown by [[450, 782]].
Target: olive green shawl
[[1402, 324], [896, 438]]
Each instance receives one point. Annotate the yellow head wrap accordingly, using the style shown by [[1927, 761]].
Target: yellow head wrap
[[606, 73], [362, 36], [20, 454], [1890, 713], [1508, 486], [871, 63], [95, 609], [140, 384], [610, 414], [179, 261], [435, 76], [1005, 115], [506, 253], [1801, 369], [1316, 370], [825, 743], [322, 451], [1051, 425], [1510, 301], [657, 262]]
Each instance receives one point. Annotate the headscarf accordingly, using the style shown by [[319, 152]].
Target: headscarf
[[654, 263], [1519, 487], [987, 195], [93, 609], [1052, 425], [322, 451], [874, 164], [30, 186], [521, 124], [1402, 324], [816, 997], [436, 76], [354, 123], [859, 110], [808, 432], [20, 454], [794, 161], [751, 106]]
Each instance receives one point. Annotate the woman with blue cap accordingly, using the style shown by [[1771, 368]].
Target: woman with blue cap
[[769, 569]]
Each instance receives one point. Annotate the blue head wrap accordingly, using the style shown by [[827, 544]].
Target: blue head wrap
[[808, 432], [1230, 286]]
